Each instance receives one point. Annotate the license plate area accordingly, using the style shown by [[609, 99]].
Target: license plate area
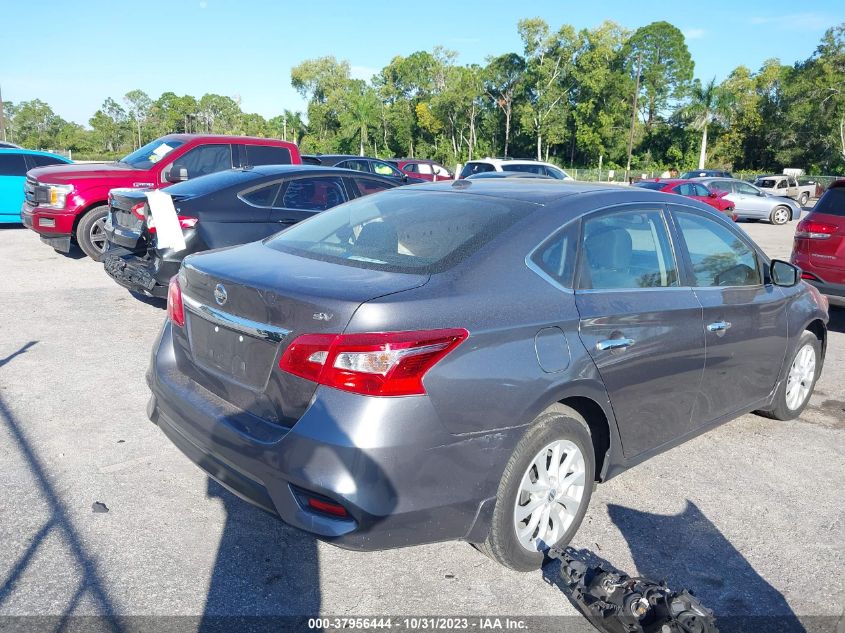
[[229, 353]]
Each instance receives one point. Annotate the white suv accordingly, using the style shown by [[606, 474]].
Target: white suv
[[508, 164]]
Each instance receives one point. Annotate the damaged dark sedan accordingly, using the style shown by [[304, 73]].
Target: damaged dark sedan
[[464, 361], [223, 209]]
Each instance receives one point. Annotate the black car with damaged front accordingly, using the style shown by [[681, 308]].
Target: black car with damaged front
[[219, 210]]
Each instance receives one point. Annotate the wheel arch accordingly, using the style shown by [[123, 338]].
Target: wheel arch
[[819, 329], [599, 425], [84, 212]]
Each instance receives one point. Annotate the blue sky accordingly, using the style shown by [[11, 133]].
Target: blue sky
[[75, 54]]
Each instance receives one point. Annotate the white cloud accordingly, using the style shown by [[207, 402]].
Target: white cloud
[[694, 33], [808, 20], [362, 72]]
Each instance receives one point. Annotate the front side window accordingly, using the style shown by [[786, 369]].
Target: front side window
[[383, 169], [312, 194], [206, 159], [424, 168], [719, 256], [471, 168], [747, 189], [410, 167], [43, 161], [701, 191], [12, 165], [554, 172], [721, 185], [366, 186], [531, 169], [766, 183], [627, 249]]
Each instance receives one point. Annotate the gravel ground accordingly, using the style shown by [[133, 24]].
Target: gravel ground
[[749, 515]]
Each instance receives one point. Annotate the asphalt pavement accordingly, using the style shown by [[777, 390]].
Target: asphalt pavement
[[750, 515]]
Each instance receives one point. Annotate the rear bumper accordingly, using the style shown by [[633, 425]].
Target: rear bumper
[[403, 479], [138, 274], [835, 293]]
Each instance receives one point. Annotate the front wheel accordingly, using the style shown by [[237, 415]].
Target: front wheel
[[795, 389], [780, 215], [544, 492], [805, 197], [91, 232]]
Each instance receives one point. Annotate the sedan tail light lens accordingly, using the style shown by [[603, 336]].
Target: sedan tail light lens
[[375, 364], [185, 222], [815, 230], [175, 307], [138, 210]]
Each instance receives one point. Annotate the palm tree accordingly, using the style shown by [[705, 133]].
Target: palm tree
[[707, 103], [360, 113]]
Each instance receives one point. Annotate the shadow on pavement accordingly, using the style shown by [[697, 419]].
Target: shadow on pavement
[[91, 585], [13, 355], [689, 551]]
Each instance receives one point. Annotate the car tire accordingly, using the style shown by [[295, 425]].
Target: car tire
[[90, 232], [558, 431], [804, 199], [780, 215], [787, 404]]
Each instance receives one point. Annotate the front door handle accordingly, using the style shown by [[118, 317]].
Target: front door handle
[[614, 343], [719, 326]]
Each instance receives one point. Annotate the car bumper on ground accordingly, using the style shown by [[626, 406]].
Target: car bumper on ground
[[145, 275], [55, 227], [403, 479]]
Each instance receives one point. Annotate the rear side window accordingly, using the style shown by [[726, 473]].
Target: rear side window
[[476, 168], [556, 257], [627, 249], [719, 257], [531, 169], [43, 161], [261, 197], [366, 186], [267, 155], [832, 202], [312, 194], [12, 165], [403, 230]]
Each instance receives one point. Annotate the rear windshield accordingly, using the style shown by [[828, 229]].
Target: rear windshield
[[657, 186], [832, 202], [151, 153], [403, 231]]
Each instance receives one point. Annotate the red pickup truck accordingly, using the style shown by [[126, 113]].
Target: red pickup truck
[[67, 203]]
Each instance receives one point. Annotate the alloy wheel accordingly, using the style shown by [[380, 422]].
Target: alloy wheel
[[549, 495], [801, 376], [97, 235], [780, 216]]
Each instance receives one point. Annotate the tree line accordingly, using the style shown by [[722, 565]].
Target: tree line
[[575, 97]]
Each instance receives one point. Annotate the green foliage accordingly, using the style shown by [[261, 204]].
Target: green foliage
[[567, 97]]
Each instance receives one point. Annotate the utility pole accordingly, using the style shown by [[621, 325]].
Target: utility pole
[[2, 119], [633, 118]]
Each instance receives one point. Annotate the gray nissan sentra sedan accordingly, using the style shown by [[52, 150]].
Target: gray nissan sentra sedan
[[464, 361]]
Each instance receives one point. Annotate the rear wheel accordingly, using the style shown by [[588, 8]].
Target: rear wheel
[[91, 232], [780, 215], [544, 492], [795, 389]]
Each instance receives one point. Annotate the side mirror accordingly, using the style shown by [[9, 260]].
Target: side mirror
[[784, 274], [713, 194], [176, 173]]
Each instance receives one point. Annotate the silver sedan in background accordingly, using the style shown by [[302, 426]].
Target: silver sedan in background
[[753, 203]]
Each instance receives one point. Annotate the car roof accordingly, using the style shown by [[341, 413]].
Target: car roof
[[536, 190], [185, 137], [30, 152]]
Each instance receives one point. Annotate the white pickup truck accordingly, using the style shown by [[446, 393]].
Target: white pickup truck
[[784, 185]]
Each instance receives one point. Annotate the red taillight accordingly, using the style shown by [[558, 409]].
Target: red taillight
[[185, 222], [810, 276], [138, 210], [374, 364], [175, 309], [813, 230]]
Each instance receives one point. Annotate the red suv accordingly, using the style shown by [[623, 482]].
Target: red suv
[[70, 202], [423, 169], [694, 190], [819, 247]]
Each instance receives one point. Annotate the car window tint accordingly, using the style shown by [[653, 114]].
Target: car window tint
[[261, 197], [411, 167], [267, 155], [685, 189], [701, 190], [383, 169], [628, 249], [206, 159], [746, 189], [476, 168], [12, 165], [312, 194], [366, 186], [531, 169], [357, 165], [719, 256], [832, 202], [556, 257], [43, 161], [402, 230]]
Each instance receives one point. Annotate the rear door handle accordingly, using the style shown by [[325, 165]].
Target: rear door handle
[[719, 326], [614, 343]]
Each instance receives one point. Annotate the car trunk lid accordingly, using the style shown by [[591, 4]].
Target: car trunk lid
[[245, 305]]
